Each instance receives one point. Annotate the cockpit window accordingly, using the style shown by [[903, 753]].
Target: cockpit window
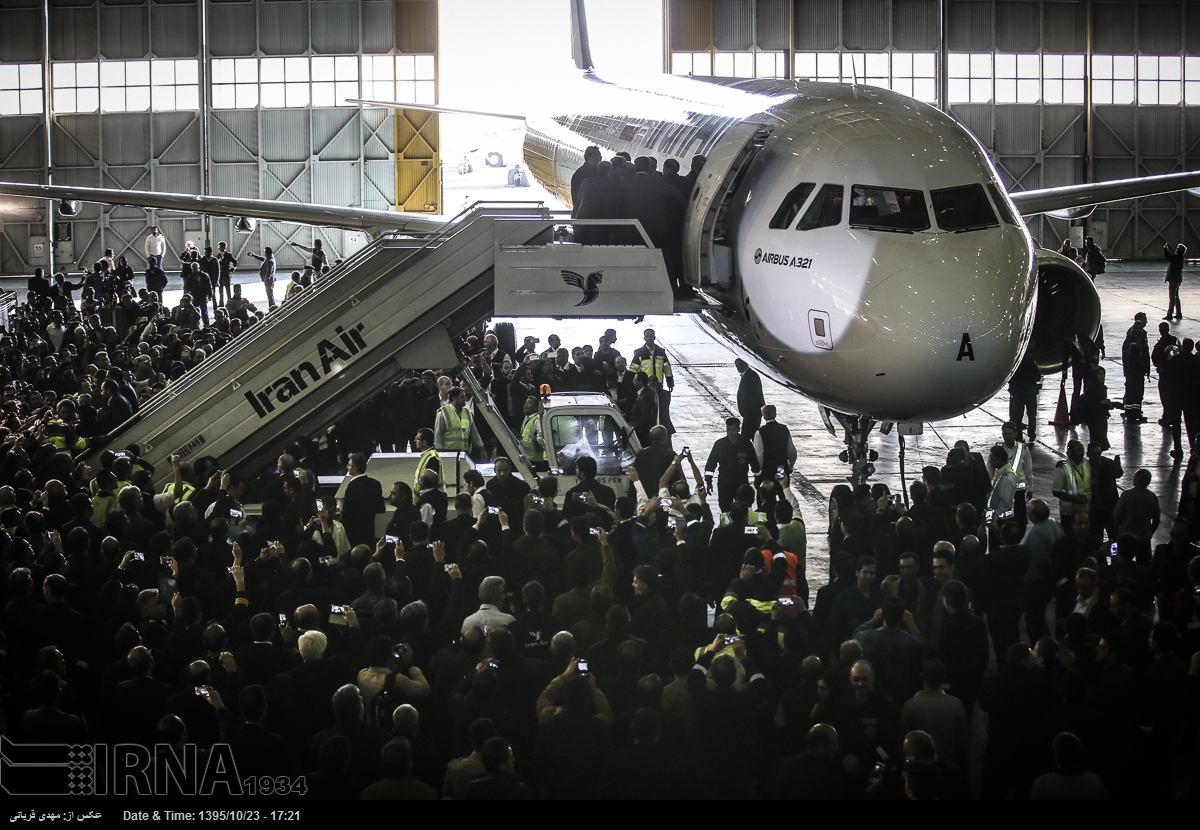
[[963, 208], [790, 209], [888, 209], [825, 210], [1002, 204]]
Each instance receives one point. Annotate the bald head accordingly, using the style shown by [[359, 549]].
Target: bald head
[[822, 740]]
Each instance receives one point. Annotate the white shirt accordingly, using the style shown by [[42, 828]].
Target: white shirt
[[156, 245]]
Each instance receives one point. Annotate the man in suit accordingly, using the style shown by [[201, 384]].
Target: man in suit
[[750, 399], [138, 703], [363, 500], [261, 660], [256, 750], [963, 645]]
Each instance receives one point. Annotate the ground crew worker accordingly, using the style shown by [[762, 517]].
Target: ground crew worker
[[454, 428], [1020, 459], [532, 446], [1002, 498], [430, 460], [651, 360], [294, 287], [1073, 484]]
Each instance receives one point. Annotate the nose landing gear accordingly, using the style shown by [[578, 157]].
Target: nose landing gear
[[857, 430]]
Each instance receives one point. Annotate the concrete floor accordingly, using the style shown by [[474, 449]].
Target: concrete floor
[[706, 393]]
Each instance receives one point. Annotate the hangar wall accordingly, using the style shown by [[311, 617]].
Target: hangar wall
[[249, 91], [1023, 75], [268, 129]]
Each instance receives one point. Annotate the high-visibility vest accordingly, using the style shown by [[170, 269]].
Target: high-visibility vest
[[1079, 483], [791, 581], [753, 517], [1007, 512], [188, 490], [423, 465], [652, 362], [1016, 463], [456, 430], [528, 445]]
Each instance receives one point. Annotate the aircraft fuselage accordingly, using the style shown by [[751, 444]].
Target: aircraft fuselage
[[865, 251]]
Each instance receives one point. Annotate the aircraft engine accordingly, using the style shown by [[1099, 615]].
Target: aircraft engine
[[1067, 307]]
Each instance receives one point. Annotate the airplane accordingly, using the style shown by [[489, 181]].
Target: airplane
[[850, 242]]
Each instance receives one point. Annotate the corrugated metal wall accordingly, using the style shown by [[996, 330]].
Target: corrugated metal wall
[[1033, 145], [338, 156]]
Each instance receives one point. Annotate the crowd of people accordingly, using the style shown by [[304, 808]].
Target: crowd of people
[[634, 188], [559, 639]]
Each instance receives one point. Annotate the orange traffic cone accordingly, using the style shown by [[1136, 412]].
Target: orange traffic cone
[[1062, 415]]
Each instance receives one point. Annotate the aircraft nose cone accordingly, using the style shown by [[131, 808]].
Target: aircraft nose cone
[[956, 318]]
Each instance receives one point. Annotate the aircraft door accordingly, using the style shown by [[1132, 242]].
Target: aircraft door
[[704, 261]]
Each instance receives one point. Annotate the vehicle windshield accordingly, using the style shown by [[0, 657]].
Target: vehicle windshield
[[888, 209], [960, 208], [599, 436]]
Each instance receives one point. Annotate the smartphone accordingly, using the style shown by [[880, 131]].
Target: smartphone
[[166, 587], [337, 610], [595, 531], [877, 773], [448, 566], [582, 666], [686, 451], [538, 500], [752, 530], [1112, 549], [670, 523], [493, 665], [494, 510], [581, 497], [989, 516], [165, 561], [730, 639], [235, 514], [391, 540], [780, 472], [203, 692], [283, 619], [787, 602], [556, 471], [139, 557]]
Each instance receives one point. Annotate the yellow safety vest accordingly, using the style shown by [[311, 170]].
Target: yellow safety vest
[[188, 490], [456, 430], [1079, 483], [1008, 510], [1017, 465], [423, 465], [655, 365], [528, 445]]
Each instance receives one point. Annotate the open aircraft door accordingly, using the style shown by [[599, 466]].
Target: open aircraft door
[[707, 257]]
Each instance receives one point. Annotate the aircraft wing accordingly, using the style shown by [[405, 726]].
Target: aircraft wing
[[302, 214], [1075, 197]]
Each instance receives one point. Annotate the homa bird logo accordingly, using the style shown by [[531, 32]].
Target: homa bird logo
[[590, 285]]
